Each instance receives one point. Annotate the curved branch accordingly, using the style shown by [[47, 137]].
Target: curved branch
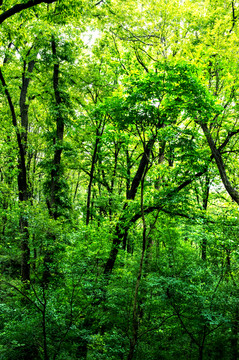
[[220, 164], [20, 7]]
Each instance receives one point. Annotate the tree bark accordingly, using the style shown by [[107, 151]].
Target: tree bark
[[20, 7], [235, 331], [92, 170], [122, 224], [24, 193], [23, 190], [52, 202], [205, 202], [220, 164], [135, 320]]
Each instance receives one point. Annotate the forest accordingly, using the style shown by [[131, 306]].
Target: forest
[[119, 191]]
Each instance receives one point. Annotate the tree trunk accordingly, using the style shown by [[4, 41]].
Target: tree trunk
[[135, 321], [123, 223], [200, 353], [93, 162], [52, 201], [205, 202], [23, 190], [235, 331]]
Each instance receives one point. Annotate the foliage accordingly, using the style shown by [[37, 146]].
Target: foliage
[[118, 168]]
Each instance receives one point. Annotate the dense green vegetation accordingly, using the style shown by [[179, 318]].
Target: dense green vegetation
[[119, 180]]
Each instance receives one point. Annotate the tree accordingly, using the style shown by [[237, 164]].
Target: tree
[[119, 133]]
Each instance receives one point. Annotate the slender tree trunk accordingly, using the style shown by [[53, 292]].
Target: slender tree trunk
[[235, 321], [205, 202], [235, 331], [23, 186], [116, 154], [128, 174], [200, 353], [25, 258], [92, 170], [123, 224], [135, 320], [128, 168], [52, 202], [23, 190], [44, 323]]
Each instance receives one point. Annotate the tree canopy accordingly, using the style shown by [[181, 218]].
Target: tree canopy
[[119, 180]]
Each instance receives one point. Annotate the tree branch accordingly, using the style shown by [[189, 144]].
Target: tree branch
[[20, 7], [220, 164]]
